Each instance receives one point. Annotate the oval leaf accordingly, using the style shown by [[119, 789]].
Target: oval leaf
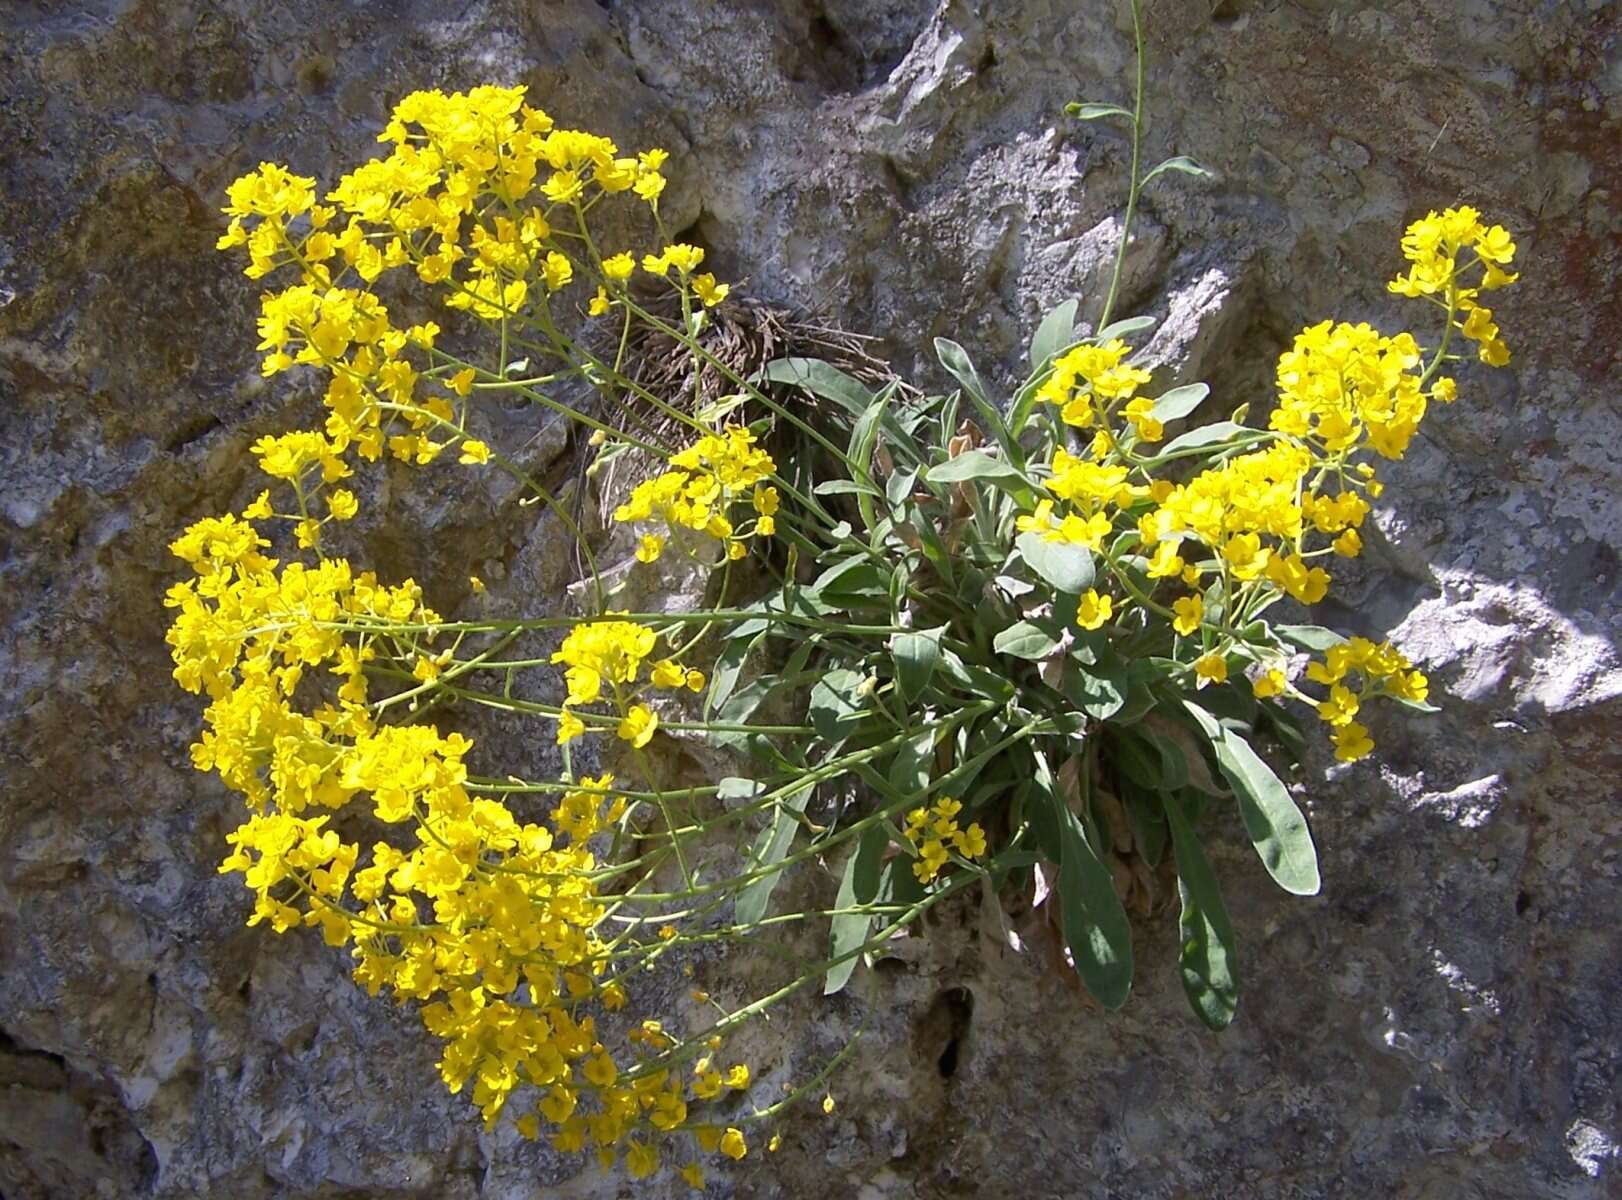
[[1057, 330], [770, 848], [1206, 962], [1205, 435], [1095, 924], [1179, 402], [1126, 325], [1275, 825], [1309, 637], [1093, 112], [1181, 164], [1025, 640], [1064, 566], [858, 886], [972, 464], [915, 655]]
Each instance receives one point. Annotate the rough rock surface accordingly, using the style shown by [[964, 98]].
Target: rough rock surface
[[1442, 1022]]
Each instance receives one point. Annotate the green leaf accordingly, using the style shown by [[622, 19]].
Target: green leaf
[[1179, 402], [1145, 813], [844, 487], [849, 583], [1140, 700], [1057, 330], [914, 763], [770, 848], [1205, 435], [1207, 958], [859, 885], [1063, 565], [1095, 924], [1309, 637], [956, 360], [1276, 827], [915, 654], [728, 666], [1119, 329], [1099, 694], [821, 379], [1181, 164], [1093, 112], [1026, 640], [833, 708], [973, 464]]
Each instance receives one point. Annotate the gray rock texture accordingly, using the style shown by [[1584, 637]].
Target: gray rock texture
[[1444, 1021]]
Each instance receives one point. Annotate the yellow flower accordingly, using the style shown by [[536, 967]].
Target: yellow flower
[[341, 503], [668, 673], [828, 1104], [641, 1160], [1165, 562], [599, 303], [637, 725], [462, 382], [569, 727], [557, 270], [732, 1143], [1093, 610], [737, 1077], [1190, 612], [1348, 544], [1269, 683], [708, 291], [618, 267], [1352, 742], [1210, 668], [650, 547], [693, 1176], [474, 452], [1340, 707]]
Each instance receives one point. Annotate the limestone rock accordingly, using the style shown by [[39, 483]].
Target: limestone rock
[[1441, 1022]]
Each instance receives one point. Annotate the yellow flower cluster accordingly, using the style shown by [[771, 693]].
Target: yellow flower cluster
[[1376, 670], [699, 490], [1258, 524], [1088, 383], [610, 652], [481, 197], [1432, 246], [491, 921], [934, 833], [1092, 490]]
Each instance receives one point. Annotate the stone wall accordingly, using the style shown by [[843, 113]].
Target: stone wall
[[1441, 1022]]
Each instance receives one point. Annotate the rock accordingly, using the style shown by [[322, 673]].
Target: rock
[[1440, 1022]]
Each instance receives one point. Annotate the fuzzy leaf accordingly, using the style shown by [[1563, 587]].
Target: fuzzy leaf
[[1025, 640], [1309, 637], [1095, 924], [1179, 402], [916, 654], [1276, 827], [1205, 435], [1063, 565], [1057, 330], [1181, 164], [1206, 962], [859, 885], [1084, 111], [770, 848]]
